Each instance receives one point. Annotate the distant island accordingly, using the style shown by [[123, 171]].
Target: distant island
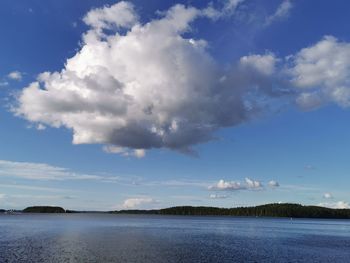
[[44, 209], [268, 210]]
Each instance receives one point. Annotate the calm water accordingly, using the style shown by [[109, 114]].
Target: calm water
[[124, 238]]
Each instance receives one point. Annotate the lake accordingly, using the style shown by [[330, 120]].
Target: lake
[[151, 238]]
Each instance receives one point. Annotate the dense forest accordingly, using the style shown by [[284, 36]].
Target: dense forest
[[43, 209], [268, 210]]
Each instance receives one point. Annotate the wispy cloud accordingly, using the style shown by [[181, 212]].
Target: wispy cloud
[[294, 187], [33, 188], [40, 197], [281, 12], [45, 172], [217, 196], [177, 183]]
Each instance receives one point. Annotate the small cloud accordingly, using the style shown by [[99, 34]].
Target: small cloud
[[217, 196], [138, 153], [113, 149], [225, 185], [132, 203], [40, 127], [336, 205], [252, 184], [327, 196], [273, 184], [15, 75], [249, 184], [282, 12]]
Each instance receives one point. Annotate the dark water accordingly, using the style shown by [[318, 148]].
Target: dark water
[[122, 238]]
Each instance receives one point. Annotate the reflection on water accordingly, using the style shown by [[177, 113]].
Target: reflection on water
[[124, 238]]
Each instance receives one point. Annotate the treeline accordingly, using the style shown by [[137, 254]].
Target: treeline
[[44, 209], [268, 210]]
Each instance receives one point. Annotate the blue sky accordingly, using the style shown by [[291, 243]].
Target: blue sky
[[220, 103]]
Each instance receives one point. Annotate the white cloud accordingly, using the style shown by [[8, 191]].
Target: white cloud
[[336, 205], [121, 14], [282, 12], [234, 185], [226, 185], [138, 153], [273, 183], [132, 203], [327, 195], [148, 87], [40, 127], [114, 149], [217, 196], [15, 75], [42, 171], [253, 184], [264, 64], [322, 73]]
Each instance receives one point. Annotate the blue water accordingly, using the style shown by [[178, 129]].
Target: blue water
[[140, 238]]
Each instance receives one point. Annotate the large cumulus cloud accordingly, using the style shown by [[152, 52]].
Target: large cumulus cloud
[[135, 86], [143, 86]]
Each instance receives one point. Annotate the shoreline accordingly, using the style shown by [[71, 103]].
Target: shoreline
[[286, 210]]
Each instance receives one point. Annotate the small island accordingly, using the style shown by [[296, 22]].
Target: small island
[[44, 209]]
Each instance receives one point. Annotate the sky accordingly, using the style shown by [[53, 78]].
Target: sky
[[109, 105]]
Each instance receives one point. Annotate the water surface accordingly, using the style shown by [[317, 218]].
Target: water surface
[[148, 238]]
